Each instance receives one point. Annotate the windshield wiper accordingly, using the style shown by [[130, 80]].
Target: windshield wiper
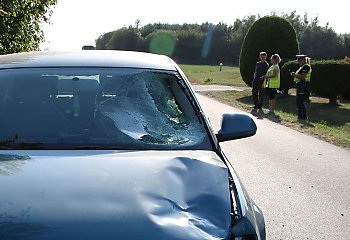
[[15, 143], [5, 148], [7, 142]]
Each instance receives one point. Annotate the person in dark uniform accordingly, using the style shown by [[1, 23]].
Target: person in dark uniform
[[259, 75], [302, 78]]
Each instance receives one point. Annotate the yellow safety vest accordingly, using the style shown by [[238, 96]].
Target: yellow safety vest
[[308, 75], [273, 82]]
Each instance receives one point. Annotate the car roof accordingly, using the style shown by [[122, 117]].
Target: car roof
[[94, 58]]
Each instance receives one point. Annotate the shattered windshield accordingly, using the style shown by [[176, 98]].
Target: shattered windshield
[[97, 108]]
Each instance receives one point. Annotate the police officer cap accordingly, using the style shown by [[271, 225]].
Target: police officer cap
[[301, 56]]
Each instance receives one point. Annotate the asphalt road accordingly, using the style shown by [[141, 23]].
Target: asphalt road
[[302, 184]]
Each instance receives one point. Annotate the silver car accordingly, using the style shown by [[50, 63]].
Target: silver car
[[114, 145]]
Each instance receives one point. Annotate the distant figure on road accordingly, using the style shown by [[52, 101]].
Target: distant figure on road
[[259, 76], [302, 78], [273, 81]]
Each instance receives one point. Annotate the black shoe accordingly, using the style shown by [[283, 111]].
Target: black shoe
[[254, 111], [270, 112]]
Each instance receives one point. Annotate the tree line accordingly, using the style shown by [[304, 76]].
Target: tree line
[[211, 44]]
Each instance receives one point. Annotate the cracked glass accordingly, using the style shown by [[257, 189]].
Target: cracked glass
[[98, 108]]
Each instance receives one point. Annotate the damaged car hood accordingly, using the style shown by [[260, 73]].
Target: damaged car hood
[[113, 195]]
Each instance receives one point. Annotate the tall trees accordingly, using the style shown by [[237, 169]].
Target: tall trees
[[160, 42], [346, 44], [189, 47], [211, 44], [20, 24], [125, 39], [321, 42], [239, 31], [102, 40], [205, 43]]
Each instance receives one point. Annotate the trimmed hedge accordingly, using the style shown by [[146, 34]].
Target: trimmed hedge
[[329, 79], [346, 94], [287, 81], [270, 34]]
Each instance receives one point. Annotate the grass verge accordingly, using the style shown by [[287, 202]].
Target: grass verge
[[330, 123], [229, 76]]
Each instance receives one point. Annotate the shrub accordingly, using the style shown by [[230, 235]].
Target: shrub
[[287, 81], [270, 34], [346, 94], [330, 79]]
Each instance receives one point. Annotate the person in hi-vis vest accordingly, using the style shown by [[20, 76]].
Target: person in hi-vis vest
[[302, 79], [273, 81]]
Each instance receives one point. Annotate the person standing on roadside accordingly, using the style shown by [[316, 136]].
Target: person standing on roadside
[[273, 81], [259, 76], [302, 78]]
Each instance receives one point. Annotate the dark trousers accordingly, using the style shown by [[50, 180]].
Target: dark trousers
[[258, 95], [300, 99], [307, 92]]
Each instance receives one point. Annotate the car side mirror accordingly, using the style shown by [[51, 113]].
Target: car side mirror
[[236, 126]]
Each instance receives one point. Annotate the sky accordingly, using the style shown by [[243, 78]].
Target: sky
[[75, 23]]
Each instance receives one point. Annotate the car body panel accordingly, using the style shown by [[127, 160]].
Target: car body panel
[[105, 58], [86, 206], [103, 194], [251, 220]]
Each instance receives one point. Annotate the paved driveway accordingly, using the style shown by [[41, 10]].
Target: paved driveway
[[207, 87]]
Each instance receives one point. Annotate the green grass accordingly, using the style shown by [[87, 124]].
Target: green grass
[[229, 76], [331, 123]]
